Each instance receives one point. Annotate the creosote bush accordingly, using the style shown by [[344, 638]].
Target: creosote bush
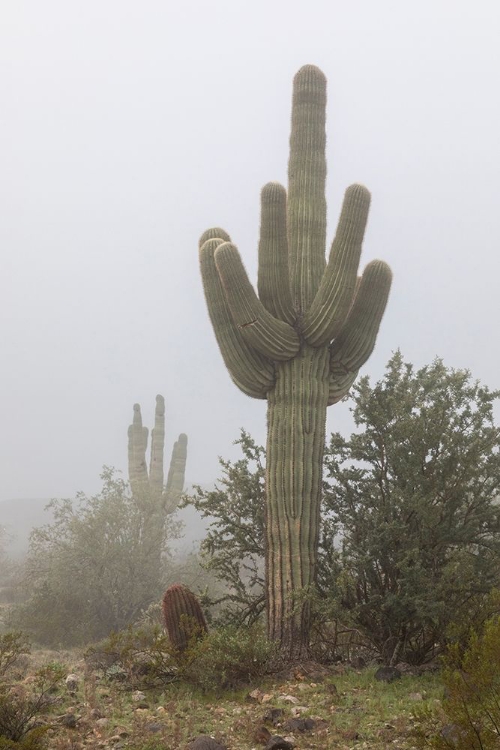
[[21, 707]]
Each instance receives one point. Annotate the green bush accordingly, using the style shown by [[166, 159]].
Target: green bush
[[95, 568], [472, 688], [12, 645], [227, 658], [139, 655]]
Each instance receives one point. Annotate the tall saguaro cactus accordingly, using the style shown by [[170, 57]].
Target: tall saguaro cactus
[[299, 344], [152, 483]]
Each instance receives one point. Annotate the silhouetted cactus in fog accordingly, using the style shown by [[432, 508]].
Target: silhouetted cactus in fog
[[152, 482]]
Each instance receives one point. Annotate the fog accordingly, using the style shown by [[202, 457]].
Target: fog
[[127, 128]]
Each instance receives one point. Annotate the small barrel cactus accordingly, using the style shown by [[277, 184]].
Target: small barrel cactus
[[183, 616]]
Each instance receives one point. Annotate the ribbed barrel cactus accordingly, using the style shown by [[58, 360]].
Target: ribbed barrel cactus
[[151, 483], [299, 344], [183, 616]]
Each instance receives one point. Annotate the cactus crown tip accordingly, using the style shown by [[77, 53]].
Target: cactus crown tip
[[215, 233], [137, 407], [308, 72]]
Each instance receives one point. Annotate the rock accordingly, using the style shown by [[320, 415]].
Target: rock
[[262, 736], [154, 727], [299, 725], [279, 743], [69, 720], [102, 723], [387, 674], [95, 713], [274, 716], [138, 696], [71, 682], [205, 742], [416, 696], [289, 699]]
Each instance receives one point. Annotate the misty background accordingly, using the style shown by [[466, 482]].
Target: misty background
[[127, 128]]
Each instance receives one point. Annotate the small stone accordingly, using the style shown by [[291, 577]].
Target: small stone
[[138, 696], [69, 721], [274, 715], [154, 727], [299, 725], [279, 743], [71, 682], [95, 713], [416, 697], [102, 723], [289, 699], [205, 742]]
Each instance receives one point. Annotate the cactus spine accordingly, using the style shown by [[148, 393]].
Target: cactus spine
[[299, 344], [182, 615], [151, 484]]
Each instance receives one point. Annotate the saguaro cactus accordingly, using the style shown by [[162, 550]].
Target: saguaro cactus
[[299, 344], [152, 483]]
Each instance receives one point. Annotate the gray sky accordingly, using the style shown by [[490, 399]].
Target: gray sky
[[128, 127]]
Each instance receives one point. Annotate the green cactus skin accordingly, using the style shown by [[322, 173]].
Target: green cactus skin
[[151, 484], [183, 616], [299, 344]]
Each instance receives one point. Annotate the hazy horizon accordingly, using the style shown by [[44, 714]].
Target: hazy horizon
[[129, 128]]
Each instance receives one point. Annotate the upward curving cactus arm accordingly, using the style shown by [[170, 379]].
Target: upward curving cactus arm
[[251, 371], [269, 336], [331, 304], [274, 274], [356, 341], [176, 474]]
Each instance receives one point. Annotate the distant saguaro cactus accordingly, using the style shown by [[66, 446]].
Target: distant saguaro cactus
[[299, 344], [153, 482], [183, 616]]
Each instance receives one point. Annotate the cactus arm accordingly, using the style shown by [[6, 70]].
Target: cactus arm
[[306, 209], [339, 385], [274, 276], [269, 336], [137, 444], [331, 304], [157, 448], [176, 474], [250, 371], [357, 338]]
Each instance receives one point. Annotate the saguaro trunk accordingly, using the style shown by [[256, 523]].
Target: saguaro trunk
[[299, 344], [295, 444]]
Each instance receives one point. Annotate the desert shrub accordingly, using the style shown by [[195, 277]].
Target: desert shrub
[[96, 567], [227, 658], [21, 706], [12, 645], [413, 498], [472, 689], [138, 655]]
